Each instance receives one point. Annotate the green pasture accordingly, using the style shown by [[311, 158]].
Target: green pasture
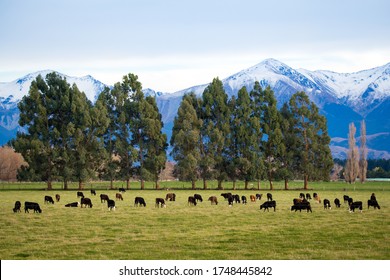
[[186, 232]]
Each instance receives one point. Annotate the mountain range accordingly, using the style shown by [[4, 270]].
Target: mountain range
[[341, 97]]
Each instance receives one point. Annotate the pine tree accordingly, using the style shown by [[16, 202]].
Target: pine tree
[[352, 165], [185, 140]]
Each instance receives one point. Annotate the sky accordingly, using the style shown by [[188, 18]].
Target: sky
[[173, 45]]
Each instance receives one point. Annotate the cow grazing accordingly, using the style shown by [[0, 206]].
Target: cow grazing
[[356, 205], [58, 197], [243, 199], [122, 190], [111, 204], [308, 196], [48, 199], [170, 197], [93, 192], [269, 196], [86, 201], [346, 198], [191, 200], [252, 198], [268, 204], [301, 206], [373, 197], [33, 206], [72, 204], [327, 204], [337, 202], [302, 195], [118, 196], [315, 195], [236, 198], [297, 200], [373, 203], [226, 195], [139, 201], [317, 198], [213, 200], [160, 202], [350, 201], [259, 196], [103, 198], [230, 200], [80, 194], [198, 197], [17, 206]]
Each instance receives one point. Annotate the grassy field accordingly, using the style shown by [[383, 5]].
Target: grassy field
[[185, 232]]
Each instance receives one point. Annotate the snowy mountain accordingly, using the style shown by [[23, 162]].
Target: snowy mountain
[[341, 97]]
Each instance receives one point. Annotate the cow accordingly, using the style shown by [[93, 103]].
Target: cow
[[268, 204], [317, 198], [308, 196], [236, 198], [252, 198], [373, 197], [327, 204], [160, 202], [80, 194], [301, 206], [198, 197], [93, 192], [118, 196], [302, 195], [350, 201], [337, 202], [191, 200], [226, 195], [139, 201], [72, 204], [111, 204], [32, 205], [58, 197], [48, 199], [259, 196], [315, 195], [297, 200], [103, 198], [122, 190], [230, 200], [213, 200], [170, 197], [346, 198], [17, 206], [86, 201], [269, 196], [373, 203], [243, 199], [355, 205]]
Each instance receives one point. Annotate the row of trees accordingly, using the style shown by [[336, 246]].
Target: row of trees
[[247, 138], [119, 137]]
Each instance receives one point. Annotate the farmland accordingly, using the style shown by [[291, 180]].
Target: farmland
[[186, 232]]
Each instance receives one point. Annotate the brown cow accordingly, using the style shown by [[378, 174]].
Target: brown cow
[[191, 200], [103, 198], [253, 198], [170, 197], [213, 200], [118, 196], [57, 197]]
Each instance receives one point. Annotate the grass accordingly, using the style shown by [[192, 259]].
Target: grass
[[202, 232]]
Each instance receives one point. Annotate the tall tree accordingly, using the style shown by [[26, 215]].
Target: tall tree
[[312, 137], [185, 140], [216, 116], [352, 165], [363, 153]]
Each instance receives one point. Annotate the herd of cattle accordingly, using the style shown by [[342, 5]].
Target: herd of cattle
[[301, 203]]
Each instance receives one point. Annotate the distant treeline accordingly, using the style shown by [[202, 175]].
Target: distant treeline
[[119, 137], [377, 168]]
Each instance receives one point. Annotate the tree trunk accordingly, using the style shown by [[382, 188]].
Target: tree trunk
[[49, 185], [204, 184], [142, 184], [286, 184], [157, 184], [246, 184], [65, 184], [111, 184], [220, 185], [81, 185], [234, 184], [128, 184], [306, 182], [258, 184], [193, 184]]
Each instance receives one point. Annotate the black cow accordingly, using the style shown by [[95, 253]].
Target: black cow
[[230, 200], [213, 200], [356, 205], [72, 204], [373, 203], [269, 196], [86, 201], [32, 205], [308, 196], [327, 204], [198, 197], [122, 190], [58, 197], [373, 197], [302, 195], [350, 201], [268, 204], [103, 198], [259, 196], [236, 198], [346, 198], [17, 206], [111, 204], [243, 199], [160, 202], [301, 206], [80, 194], [93, 192], [139, 201], [337, 202], [48, 199], [191, 200], [170, 197], [226, 195]]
